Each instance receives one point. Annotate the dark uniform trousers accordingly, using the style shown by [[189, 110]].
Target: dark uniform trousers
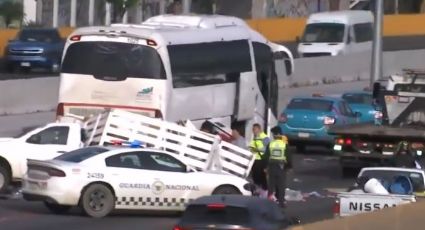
[[277, 179]]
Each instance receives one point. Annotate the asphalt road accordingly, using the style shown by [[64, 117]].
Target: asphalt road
[[314, 171]]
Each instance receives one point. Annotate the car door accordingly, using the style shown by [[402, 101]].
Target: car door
[[130, 182], [148, 180], [172, 186], [44, 145]]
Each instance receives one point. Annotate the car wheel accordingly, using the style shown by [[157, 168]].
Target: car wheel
[[4, 179], [226, 190], [57, 208], [97, 201], [300, 148]]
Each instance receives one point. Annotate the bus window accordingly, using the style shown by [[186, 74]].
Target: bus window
[[208, 63], [113, 61]]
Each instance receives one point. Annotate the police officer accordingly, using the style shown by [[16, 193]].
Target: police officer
[[277, 162], [257, 147], [404, 157]]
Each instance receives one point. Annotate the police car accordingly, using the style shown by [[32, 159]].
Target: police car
[[101, 179]]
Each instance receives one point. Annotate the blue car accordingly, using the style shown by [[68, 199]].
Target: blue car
[[35, 48], [306, 120], [362, 102]]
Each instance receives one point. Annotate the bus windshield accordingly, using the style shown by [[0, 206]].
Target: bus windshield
[[113, 61], [324, 32]]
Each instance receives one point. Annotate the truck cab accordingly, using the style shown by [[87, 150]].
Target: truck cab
[[43, 143]]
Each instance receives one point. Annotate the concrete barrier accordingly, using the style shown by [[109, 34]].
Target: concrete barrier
[[326, 70], [40, 94], [29, 95]]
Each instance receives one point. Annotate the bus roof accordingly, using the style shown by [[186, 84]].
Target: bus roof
[[181, 29], [344, 17]]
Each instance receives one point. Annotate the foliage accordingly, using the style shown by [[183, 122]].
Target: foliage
[[10, 11]]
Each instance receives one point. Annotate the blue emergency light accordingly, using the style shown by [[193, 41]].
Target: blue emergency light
[[131, 144]]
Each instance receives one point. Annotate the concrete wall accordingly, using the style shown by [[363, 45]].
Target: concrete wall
[[325, 70], [40, 94]]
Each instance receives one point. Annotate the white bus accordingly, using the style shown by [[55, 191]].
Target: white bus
[[175, 68]]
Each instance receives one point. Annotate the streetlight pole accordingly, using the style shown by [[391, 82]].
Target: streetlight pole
[[376, 67]]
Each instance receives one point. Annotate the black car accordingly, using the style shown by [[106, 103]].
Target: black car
[[35, 48], [225, 212]]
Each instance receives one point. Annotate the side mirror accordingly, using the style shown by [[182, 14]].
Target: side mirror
[[357, 114], [34, 139]]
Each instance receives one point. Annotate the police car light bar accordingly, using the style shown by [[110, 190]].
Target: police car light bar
[[131, 144]]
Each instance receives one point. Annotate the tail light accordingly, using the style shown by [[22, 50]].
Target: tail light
[[216, 206], [417, 145], [336, 208], [56, 172], [329, 121], [378, 115], [348, 141], [283, 118], [342, 141], [75, 38], [49, 170], [60, 110], [180, 228]]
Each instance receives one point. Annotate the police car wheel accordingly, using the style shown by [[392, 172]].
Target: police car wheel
[[4, 179], [57, 208], [226, 189], [97, 201]]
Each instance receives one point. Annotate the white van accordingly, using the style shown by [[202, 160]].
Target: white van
[[337, 33]]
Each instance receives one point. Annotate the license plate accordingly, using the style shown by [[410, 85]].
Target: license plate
[[387, 153], [337, 147], [304, 135], [25, 64], [364, 151]]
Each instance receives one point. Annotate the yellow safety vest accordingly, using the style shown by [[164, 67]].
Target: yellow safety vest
[[277, 150], [257, 144]]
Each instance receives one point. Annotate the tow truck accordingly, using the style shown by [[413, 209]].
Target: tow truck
[[402, 102]]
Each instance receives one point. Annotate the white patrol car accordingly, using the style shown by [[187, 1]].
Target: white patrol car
[[101, 179]]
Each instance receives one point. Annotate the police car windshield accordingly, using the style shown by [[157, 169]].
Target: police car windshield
[[311, 104], [80, 155]]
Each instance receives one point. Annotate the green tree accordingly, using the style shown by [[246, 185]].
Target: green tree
[[119, 7], [10, 11]]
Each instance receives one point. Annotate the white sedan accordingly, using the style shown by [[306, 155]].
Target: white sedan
[[101, 179]]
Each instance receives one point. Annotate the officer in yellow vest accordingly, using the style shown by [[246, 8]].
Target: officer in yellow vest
[[277, 161], [258, 146]]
